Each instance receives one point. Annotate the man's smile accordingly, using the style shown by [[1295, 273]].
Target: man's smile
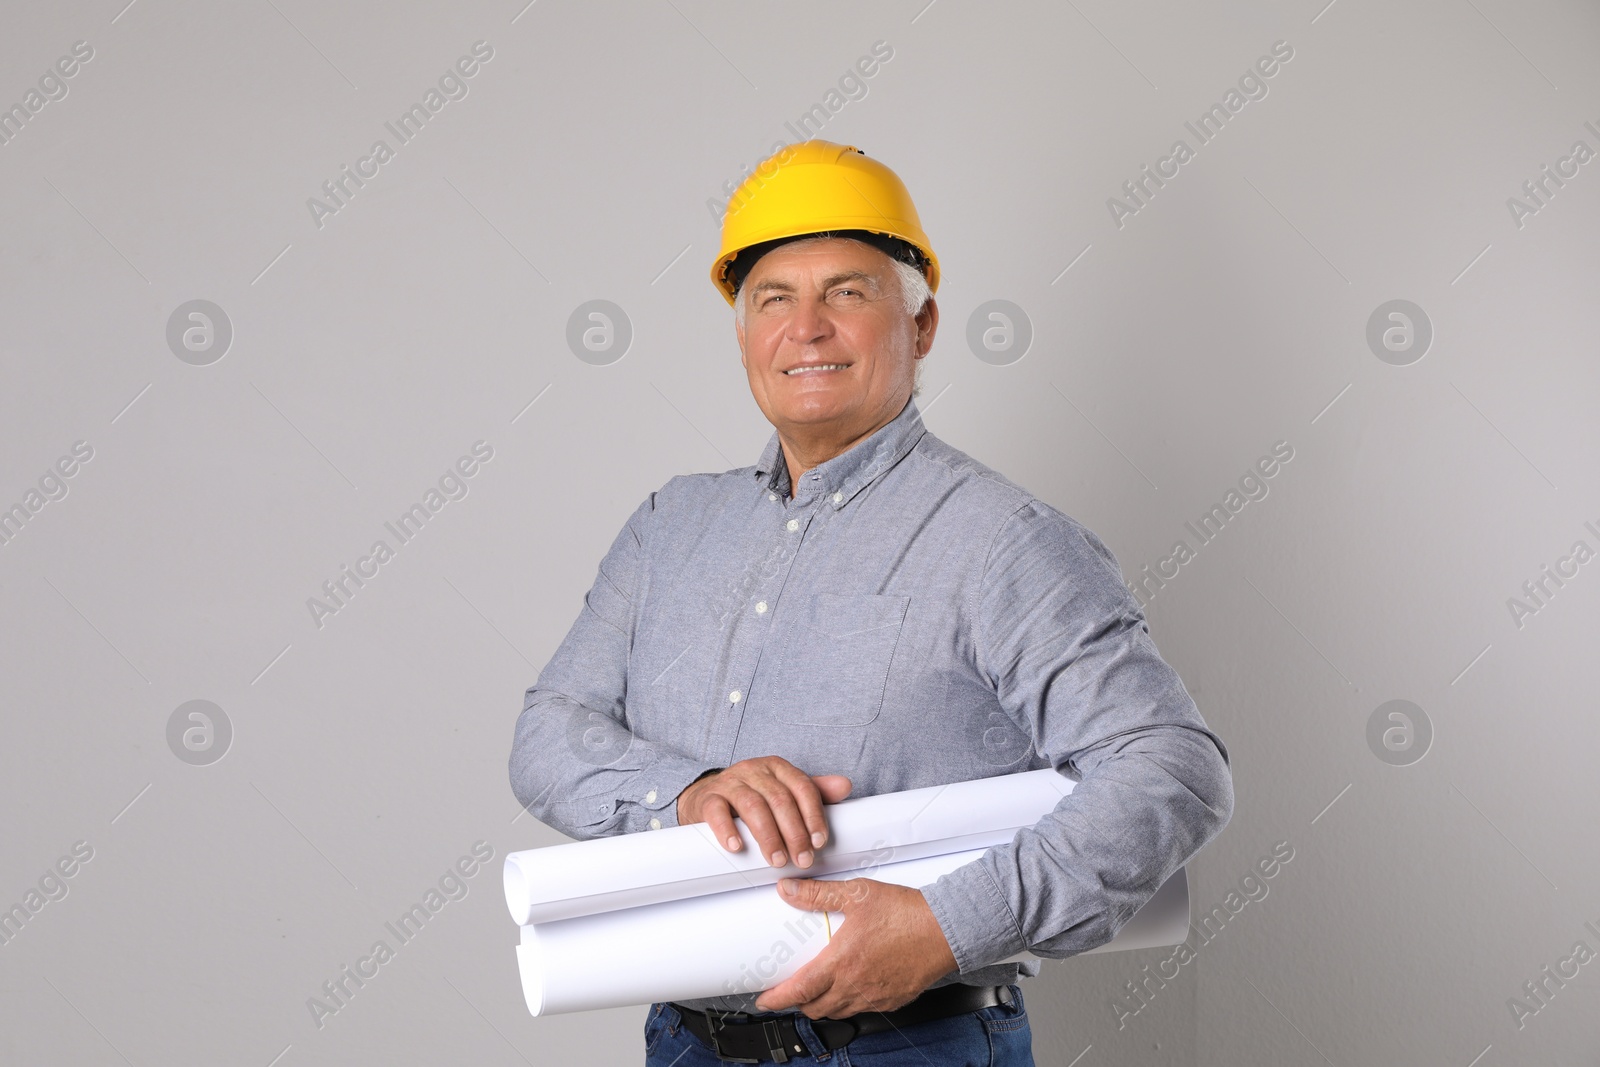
[[810, 368]]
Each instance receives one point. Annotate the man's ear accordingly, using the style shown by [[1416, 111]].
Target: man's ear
[[738, 332], [927, 321]]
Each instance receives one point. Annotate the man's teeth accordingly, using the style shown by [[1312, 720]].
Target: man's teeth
[[818, 366]]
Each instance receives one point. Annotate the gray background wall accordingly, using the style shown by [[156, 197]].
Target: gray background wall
[[367, 754]]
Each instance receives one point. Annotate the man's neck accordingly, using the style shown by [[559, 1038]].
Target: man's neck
[[802, 454]]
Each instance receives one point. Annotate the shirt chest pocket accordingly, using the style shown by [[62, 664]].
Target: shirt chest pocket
[[835, 661]]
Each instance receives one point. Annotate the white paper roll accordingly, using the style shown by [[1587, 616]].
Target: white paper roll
[[632, 870], [741, 941], [673, 915]]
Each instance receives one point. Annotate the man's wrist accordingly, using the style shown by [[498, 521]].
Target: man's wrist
[[656, 788], [685, 789]]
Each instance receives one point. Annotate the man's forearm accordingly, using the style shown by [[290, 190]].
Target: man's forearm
[[1068, 883], [585, 774]]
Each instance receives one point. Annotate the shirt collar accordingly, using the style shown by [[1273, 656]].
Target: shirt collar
[[846, 474]]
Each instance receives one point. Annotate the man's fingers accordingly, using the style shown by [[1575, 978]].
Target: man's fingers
[[813, 832], [780, 804], [750, 804], [786, 797], [800, 988], [718, 815]]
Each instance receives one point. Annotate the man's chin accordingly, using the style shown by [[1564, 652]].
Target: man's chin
[[816, 411]]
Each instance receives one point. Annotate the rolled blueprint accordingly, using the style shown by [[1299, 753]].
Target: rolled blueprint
[[632, 870], [673, 915], [740, 941]]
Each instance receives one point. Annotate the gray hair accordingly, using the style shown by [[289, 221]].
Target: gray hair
[[914, 295]]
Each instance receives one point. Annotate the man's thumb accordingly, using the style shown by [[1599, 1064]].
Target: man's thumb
[[834, 787], [808, 893]]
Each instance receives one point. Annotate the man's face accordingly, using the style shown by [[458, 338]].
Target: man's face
[[830, 303]]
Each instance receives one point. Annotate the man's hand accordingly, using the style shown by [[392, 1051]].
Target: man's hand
[[889, 949], [780, 803]]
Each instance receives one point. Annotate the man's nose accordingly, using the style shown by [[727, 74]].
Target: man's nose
[[808, 323]]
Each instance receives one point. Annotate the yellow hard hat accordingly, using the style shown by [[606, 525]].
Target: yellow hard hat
[[813, 187]]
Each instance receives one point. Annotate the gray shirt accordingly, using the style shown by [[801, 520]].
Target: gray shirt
[[909, 618]]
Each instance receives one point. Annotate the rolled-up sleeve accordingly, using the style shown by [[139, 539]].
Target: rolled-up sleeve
[[1066, 648], [575, 764]]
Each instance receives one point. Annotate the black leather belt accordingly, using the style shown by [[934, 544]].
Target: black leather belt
[[737, 1037]]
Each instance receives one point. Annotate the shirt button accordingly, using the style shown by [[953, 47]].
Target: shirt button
[[655, 824], [838, 497], [794, 524], [761, 608], [772, 496], [650, 797], [735, 695]]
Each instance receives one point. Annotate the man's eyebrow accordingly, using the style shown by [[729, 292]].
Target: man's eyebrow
[[849, 276], [775, 285]]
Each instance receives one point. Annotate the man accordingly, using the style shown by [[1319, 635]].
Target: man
[[866, 610]]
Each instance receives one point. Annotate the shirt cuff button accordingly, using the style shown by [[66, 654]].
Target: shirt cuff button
[[655, 824], [650, 797]]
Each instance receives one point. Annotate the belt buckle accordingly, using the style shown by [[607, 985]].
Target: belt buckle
[[718, 1020]]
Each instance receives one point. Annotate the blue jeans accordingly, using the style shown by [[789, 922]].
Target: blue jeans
[[997, 1036]]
